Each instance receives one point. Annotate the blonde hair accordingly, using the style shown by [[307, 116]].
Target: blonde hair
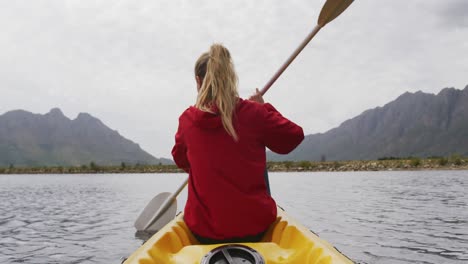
[[219, 85]]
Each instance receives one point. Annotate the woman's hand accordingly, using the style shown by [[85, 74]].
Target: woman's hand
[[257, 97]]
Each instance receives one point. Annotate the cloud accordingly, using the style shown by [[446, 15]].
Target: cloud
[[454, 12], [130, 63]]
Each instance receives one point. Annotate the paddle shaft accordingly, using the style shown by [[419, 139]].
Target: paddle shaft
[[330, 10], [290, 59], [278, 74]]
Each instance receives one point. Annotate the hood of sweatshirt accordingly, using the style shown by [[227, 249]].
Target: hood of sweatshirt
[[204, 119]]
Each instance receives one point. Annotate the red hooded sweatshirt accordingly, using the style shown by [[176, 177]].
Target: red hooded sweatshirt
[[227, 193]]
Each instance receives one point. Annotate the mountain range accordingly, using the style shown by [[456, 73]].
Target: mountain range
[[415, 124], [52, 139]]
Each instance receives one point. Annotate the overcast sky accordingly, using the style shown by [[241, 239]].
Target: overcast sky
[[130, 63]]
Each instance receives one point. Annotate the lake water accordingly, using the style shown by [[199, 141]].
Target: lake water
[[372, 217]]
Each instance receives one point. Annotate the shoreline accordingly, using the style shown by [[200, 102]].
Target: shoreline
[[391, 164]]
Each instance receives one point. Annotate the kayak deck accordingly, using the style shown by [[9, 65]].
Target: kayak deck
[[285, 242]]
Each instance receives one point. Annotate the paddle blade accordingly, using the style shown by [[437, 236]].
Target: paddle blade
[[152, 208], [165, 218], [331, 9]]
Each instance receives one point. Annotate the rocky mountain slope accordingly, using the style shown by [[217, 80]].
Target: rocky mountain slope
[[415, 124], [28, 139]]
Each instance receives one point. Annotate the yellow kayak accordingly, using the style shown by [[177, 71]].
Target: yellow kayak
[[285, 242]]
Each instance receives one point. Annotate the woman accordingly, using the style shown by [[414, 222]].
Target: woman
[[221, 143]]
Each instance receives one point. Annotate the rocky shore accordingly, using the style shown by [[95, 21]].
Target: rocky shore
[[441, 163], [373, 165]]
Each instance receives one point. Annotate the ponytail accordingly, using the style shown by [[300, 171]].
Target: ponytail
[[219, 85]]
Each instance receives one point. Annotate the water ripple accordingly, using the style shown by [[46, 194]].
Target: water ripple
[[378, 217]]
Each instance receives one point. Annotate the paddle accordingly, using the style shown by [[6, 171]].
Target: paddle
[[330, 10], [159, 211], [163, 207]]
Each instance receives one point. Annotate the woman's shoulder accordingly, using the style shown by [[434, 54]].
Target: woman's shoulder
[[187, 115], [247, 105], [188, 111], [251, 107], [251, 112]]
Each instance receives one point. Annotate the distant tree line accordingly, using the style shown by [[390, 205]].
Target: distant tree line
[[385, 163], [454, 159], [392, 163], [92, 167]]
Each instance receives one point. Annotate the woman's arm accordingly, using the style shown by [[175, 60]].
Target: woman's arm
[[280, 134], [179, 151]]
